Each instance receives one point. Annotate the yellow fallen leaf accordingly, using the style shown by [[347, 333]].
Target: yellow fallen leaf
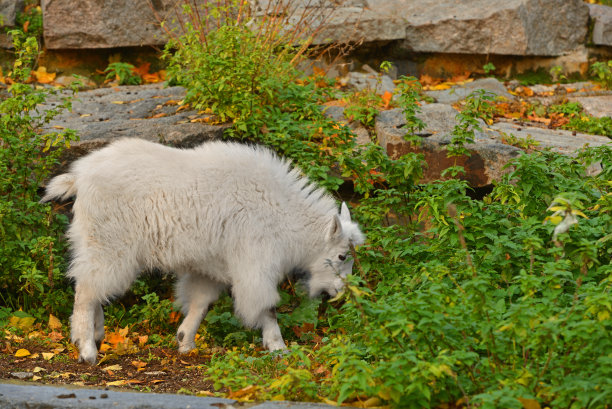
[[205, 393], [370, 403], [205, 119], [439, 87], [43, 76], [38, 369], [54, 323], [23, 323], [21, 353], [530, 403], [330, 402], [113, 368], [47, 355], [85, 115], [118, 102], [34, 356], [117, 383], [244, 392], [36, 378]]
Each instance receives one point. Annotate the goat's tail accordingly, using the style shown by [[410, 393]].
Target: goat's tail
[[60, 187]]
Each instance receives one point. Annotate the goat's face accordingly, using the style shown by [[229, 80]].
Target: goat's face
[[335, 262]]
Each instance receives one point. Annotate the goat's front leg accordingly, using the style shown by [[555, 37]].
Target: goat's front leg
[[270, 331]]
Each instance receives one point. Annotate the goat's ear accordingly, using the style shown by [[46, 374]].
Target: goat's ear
[[345, 215], [335, 228]]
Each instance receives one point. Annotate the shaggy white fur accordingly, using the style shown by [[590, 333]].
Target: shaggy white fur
[[221, 215]]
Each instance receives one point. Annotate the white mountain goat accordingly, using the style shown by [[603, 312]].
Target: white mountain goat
[[222, 215]]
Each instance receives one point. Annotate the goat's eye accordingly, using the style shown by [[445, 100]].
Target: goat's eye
[[342, 257]]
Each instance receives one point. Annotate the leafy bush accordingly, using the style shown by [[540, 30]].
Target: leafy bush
[[30, 21], [238, 66], [484, 306], [31, 252], [602, 72], [122, 72], [363, 106]]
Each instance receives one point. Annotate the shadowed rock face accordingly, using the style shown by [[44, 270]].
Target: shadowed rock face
[[8, 15], [488, 154], [9, 10], [602, 24], [510, 27]]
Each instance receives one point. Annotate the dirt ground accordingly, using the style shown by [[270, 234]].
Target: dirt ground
[[151, 369]]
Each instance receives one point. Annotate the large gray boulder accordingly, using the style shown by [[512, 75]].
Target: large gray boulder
[[602, 24], [105, 24], [488, 154], [557, 140], [510, 27], [149, 112], [8, 16], [459, 92], [9, 10], [597, 106]]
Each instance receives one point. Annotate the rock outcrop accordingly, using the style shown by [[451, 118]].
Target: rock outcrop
[[509, 27], [602, 24], [149, 112], [488, 154], [153, 112], [459, 92], [105, 24], [8, 17]]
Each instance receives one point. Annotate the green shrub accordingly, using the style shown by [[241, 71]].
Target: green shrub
[[591, 125], [363, 106], [233, 62], [122, 72], [31, 252], [484, 305], [602, 73]]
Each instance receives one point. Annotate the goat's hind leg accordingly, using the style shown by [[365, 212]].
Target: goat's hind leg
[[93, 286], [195, 293], [82, 321]]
